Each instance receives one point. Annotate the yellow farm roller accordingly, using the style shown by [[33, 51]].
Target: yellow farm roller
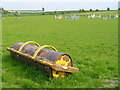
[[54, 63]]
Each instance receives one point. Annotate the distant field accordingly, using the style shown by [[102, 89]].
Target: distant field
[[92, 44]]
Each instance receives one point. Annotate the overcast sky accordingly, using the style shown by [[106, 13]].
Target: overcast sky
[[58, 4], [60, 0]]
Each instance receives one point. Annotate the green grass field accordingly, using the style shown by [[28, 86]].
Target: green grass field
[[92, 44]]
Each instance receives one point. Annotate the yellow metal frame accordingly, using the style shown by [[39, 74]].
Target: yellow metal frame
[[36, 52], [26, 44]]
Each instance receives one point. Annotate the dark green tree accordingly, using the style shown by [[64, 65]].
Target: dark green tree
[[108, 9], [97, 10], [43, 9], [80, 11], [83, 10], [90, 10]]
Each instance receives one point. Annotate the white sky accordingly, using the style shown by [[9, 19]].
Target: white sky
[[59, 0], [59, 4]]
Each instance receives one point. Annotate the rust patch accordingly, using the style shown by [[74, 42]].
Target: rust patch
[[41, 52], [66, 58]]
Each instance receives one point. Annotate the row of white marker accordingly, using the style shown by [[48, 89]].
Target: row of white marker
[[68, 17], [99, 16]]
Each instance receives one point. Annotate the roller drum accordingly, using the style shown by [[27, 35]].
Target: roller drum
[[46, 55]]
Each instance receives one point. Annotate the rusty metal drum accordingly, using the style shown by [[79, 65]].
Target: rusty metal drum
[[53, 63]]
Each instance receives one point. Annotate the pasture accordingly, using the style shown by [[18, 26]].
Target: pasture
[[92, 44]]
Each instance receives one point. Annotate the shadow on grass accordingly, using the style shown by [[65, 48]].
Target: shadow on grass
[[22, 71]]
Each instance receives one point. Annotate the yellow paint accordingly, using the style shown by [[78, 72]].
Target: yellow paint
[[62, 62], [58, 74], [26, 44], [36, 52]]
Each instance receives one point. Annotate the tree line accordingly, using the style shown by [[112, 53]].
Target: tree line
[[82, 10], [16, 13]]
